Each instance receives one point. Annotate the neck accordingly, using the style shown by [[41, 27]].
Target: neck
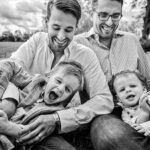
[[105, 41], [57, 57]]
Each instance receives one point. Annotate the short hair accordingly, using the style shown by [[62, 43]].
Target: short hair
[[126, 73], [71, 68], [95, 3], [67, 6]]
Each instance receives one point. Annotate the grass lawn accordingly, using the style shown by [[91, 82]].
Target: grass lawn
[[6, 48]]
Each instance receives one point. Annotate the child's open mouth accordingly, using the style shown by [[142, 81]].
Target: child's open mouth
[[53, 95]]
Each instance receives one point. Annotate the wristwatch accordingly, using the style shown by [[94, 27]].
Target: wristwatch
[[57, 119]]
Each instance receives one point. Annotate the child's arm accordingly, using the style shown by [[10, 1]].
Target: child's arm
[[10, 128], [144, 109], [8, 106], [11, 71]]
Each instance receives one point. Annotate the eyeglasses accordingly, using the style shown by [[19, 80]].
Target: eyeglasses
[[103, 16]]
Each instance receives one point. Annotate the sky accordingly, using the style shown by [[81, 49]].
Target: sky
[[24, 15]]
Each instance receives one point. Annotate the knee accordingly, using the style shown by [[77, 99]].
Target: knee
[[107, 125], [107, 129]]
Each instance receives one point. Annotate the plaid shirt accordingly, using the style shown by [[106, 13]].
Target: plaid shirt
[[31, 102]]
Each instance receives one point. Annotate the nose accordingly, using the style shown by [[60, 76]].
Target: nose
[[128, 89], [109, 22], [61, 35], [60, 90]]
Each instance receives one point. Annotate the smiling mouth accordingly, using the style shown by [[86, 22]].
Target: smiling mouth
[[53, 96], [62, 43], [107, 28]]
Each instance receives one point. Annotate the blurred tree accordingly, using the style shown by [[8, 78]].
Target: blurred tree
[[7, 36], [146, 31], [18, 36], [25, 36]]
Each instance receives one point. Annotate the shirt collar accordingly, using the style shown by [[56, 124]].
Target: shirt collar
[[93, 34]]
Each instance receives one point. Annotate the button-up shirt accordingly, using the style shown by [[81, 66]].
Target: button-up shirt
[[125, 53], [36, 56]]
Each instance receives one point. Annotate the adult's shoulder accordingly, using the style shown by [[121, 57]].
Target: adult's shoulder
[[80, 51], [40, 35], [78, 47], [126, 34], [81, 35]]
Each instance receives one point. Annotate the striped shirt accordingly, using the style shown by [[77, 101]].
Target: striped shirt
[[36, 56], [125, 53]]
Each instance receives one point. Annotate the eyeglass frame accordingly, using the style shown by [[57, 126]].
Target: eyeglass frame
[[114, 20]]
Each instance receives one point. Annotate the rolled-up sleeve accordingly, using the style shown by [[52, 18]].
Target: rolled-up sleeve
[[11, 92], [100, 101], [24, 56]]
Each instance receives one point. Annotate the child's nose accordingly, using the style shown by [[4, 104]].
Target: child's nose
[[128, 89], [61, 90]]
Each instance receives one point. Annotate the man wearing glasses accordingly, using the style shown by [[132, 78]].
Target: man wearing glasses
[[116, 51]]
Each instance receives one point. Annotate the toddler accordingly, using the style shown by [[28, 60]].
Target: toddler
[[38, 94], [129, 88]]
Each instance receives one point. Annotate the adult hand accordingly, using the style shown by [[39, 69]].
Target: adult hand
[[40, 128], [9, 128]]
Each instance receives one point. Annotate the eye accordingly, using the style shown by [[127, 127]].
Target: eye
[[68, 30], [103, 14], [116, 16], [67, 89], [55, 27], [58, 81], [133, 86], [121, 90]]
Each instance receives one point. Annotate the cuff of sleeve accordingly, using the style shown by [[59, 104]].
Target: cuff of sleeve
[[11, 92], [67, 120]]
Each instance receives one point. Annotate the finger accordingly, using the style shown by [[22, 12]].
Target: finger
[[24, 139], [138, 127], [24, 130], [3, 114], [141, 131], [30, 127], [145, 99], [36, 139], [142, 99], [148, 93]]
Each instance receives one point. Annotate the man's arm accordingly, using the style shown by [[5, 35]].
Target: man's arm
[[23, 56], [100, 101], [143, 64], [8, 106]]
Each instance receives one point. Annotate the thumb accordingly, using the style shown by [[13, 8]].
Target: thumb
[[3, 114], [143, 97]]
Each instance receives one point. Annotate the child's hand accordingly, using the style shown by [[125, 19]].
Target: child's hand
[[138, 128], [3, 121], [144, 102], [9, 128], [14, 130], [146, 128]]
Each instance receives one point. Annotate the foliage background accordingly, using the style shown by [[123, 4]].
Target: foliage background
[[132, 21], [134, 17]]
